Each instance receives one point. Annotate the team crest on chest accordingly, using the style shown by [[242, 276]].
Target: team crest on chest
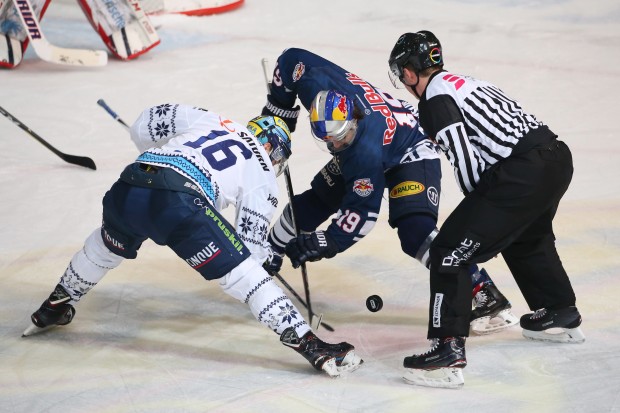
[[363, 187]]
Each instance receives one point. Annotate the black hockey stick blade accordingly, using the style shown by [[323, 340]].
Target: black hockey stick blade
[[72, 159]]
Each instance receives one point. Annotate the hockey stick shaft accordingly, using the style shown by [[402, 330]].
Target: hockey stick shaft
[[289, 190], [108, 109], [72, 159], [304, 271], [47, 51], [292, 291]]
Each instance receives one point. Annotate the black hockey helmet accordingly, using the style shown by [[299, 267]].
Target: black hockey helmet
[[421, 50]]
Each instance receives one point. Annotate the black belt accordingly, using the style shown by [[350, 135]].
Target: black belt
[[535, 138]]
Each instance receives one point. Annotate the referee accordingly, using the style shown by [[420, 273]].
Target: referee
[[513, 172]]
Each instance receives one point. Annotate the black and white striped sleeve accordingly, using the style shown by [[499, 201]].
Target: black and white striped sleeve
[[467, 162], [443, 120]]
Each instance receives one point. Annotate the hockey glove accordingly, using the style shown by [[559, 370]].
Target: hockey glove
[[310, 247], [289, 116], [273, 264]]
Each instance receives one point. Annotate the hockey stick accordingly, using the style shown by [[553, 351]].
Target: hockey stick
[[76, 160], [108, 109], [289, 190], [47, 51]]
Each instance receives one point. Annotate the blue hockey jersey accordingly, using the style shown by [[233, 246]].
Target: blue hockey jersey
[[387, 136]]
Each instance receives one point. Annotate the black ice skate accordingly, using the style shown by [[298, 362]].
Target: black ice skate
[[441, 366], [559, 326], [53, 312], [491, 312], [333, 359]]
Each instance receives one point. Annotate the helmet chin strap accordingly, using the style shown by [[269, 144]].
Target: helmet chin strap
[[414, 86]]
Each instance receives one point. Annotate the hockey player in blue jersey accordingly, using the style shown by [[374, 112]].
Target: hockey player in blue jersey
[[376, 144]]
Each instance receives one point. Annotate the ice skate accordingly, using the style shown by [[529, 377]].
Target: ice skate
[[558, 326], [53, 312], [441, 366], [333, 359], [492, 311]]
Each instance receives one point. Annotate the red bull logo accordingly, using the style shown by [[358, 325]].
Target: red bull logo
[[299, 71], [342, 107], [377, 101], [363, 187]]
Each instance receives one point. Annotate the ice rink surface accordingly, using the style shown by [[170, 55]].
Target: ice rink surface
[[153, 336]]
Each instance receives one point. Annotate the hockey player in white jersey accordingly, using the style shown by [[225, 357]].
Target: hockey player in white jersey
[[193, 164]]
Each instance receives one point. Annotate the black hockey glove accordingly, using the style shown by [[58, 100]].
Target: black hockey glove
[[310, 247], [288, 115], [273, 264]]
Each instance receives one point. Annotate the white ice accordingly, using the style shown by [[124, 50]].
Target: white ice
[[153, 336]]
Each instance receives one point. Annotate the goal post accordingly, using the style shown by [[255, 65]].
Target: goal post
[[190, 7]]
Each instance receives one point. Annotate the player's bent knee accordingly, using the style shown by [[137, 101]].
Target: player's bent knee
[[244, 278], [98, 253]]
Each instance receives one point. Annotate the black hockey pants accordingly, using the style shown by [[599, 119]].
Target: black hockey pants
[[510, 212]]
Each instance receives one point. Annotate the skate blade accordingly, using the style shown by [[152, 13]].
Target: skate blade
[[350, 362], [556, 335], [487, 325], [444, 377], [32, 330]]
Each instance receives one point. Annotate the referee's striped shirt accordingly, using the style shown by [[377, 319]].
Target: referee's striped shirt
[[473, 122]]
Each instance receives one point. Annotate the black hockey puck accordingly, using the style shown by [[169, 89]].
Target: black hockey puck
[[374, 303]]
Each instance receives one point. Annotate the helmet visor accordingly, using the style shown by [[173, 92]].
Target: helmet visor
[[396, 72], [334, 130]]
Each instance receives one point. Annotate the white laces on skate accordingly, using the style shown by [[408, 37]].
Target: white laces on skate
[[481, 298], [434, 345], [538, 314]]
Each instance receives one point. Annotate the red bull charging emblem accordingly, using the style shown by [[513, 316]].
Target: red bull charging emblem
[[363, 187]]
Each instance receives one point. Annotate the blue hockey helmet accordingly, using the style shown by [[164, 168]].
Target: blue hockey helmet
[[273, 130], [331, 117]]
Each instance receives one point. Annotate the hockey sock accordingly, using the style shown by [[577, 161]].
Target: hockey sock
[[250, 283], [88, 266], [416, 232]]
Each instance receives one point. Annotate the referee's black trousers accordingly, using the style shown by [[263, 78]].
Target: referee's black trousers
[[510, 212]]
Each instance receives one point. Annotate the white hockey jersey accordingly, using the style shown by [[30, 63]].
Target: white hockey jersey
[[221, 157]]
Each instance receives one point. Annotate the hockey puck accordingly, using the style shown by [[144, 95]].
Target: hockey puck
[[374, 303]]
